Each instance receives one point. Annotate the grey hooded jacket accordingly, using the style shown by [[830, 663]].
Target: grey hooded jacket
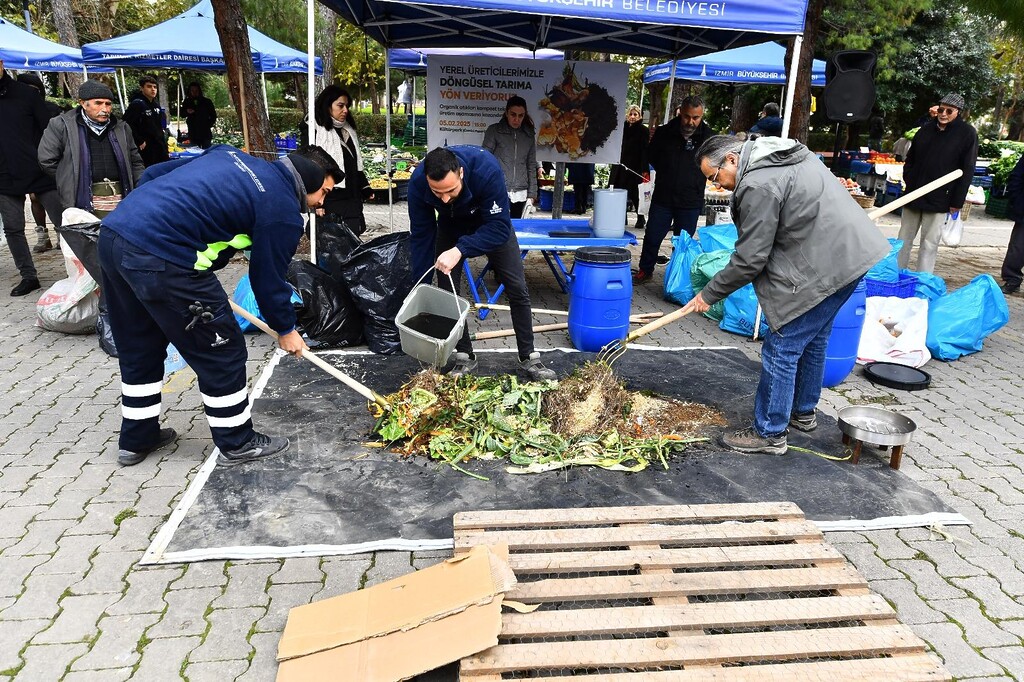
[[59, 152], [801, 236], [516, 152]]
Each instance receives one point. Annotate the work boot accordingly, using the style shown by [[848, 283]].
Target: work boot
[[127, 458], [464, 364], [804, 422], [26, 286], [43, 242], [750, 442], [258, 447], [535, 370], [1010, 289], [641, 276], [641, 222]]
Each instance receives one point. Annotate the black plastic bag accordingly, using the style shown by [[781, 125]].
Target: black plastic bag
[[82, 239], [326, 315], [335, 241], [377, 276]]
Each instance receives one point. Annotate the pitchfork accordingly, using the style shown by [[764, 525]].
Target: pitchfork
[[614, 350]]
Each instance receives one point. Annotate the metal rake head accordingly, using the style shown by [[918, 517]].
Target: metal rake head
[[612, 351]]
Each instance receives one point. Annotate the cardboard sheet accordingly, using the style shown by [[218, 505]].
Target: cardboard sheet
[[400, 628]]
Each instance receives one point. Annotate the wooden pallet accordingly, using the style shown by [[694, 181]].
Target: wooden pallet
[[731, 592]]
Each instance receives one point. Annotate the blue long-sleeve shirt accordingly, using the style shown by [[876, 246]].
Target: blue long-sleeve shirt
[[479, 215], [198, 214]]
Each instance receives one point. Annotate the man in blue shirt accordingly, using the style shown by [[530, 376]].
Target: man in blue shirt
[[458, 209], [159, 250]]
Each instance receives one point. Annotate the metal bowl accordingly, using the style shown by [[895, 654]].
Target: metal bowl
[[876, 426]]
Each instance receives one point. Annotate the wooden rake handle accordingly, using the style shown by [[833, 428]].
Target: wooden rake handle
[[309, 355], [916, 194], [657, 324]]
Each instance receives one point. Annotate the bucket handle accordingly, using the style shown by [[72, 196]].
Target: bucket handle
[[455, 296]]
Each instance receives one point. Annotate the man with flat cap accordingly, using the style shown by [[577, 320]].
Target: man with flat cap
[[943, 144], [91, 153], [159, 251]]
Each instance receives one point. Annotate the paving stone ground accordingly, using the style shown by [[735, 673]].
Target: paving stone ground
[[75, 605]]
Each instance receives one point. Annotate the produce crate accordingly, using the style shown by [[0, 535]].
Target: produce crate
[[698, 592], [893, 189], [547, 199], [998, 207], [902, 288]]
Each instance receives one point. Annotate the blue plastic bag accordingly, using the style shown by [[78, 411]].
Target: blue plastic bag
[[740, 311], [718, 237], [246, 299], [929, 286], [678, 286], [887, 269], [959, 322]]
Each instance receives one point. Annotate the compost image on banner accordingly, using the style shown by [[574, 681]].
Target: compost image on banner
[[577, 107]]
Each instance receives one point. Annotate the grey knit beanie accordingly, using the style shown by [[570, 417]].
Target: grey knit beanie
[[94, 90]]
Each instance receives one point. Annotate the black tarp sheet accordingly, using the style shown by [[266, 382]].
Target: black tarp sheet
[[330, 489]]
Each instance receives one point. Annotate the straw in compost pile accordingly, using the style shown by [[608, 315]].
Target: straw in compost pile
[[588, 418]]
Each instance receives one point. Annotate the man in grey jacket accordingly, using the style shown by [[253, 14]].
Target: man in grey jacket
[[91, 154], [805, 244]]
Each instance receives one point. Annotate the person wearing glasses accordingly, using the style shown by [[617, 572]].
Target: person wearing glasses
[[805, 244], [940, 146], [458, 209], [678, 197]]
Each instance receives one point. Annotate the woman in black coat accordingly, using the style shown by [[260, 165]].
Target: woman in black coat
[[632, 166]]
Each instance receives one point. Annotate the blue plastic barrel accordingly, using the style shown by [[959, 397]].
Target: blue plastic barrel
[[600, 297], [841, 354]]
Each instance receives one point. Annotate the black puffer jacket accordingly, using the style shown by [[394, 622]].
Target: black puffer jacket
[[937, 152], [23, 118], [146, 119], [679, 182]]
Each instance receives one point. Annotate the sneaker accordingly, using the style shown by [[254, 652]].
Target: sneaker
[[1010, 289], [804, 422], [750, 442], [662, 260], [641, 223], [26, 286], [127, 458], [641, 276], [534, 369], [259, 447], [464, 364], [43, 242]]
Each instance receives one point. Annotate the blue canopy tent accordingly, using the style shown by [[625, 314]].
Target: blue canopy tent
[[764, 63], [24, 51], [190, 41], [416, 60]]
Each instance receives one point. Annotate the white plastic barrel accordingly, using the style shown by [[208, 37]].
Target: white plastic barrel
[[609, 213]]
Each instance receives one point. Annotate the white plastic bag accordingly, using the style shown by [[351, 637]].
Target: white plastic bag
[[645, 191], [976, 195], [895, 330], [71, 305], [529, 209], [952, 230]]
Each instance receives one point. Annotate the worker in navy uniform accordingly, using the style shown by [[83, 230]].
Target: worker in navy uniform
[[458, 209], [159, 250]]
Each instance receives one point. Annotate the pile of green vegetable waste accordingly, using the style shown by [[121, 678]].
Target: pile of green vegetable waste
[[587, 419]]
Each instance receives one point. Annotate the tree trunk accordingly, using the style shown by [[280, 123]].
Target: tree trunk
[[657, 104], [64, 20], [374, 100], [744, 110], [997, 116], [801, 116], [300, 91], [326, 36], [234, 42]]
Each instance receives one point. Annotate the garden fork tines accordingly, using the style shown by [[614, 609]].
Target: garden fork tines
[[614, 350]]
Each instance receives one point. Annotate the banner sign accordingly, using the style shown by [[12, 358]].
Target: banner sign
[[577, 108]]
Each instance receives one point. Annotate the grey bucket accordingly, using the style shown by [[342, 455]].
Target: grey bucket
[[426, 298]]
